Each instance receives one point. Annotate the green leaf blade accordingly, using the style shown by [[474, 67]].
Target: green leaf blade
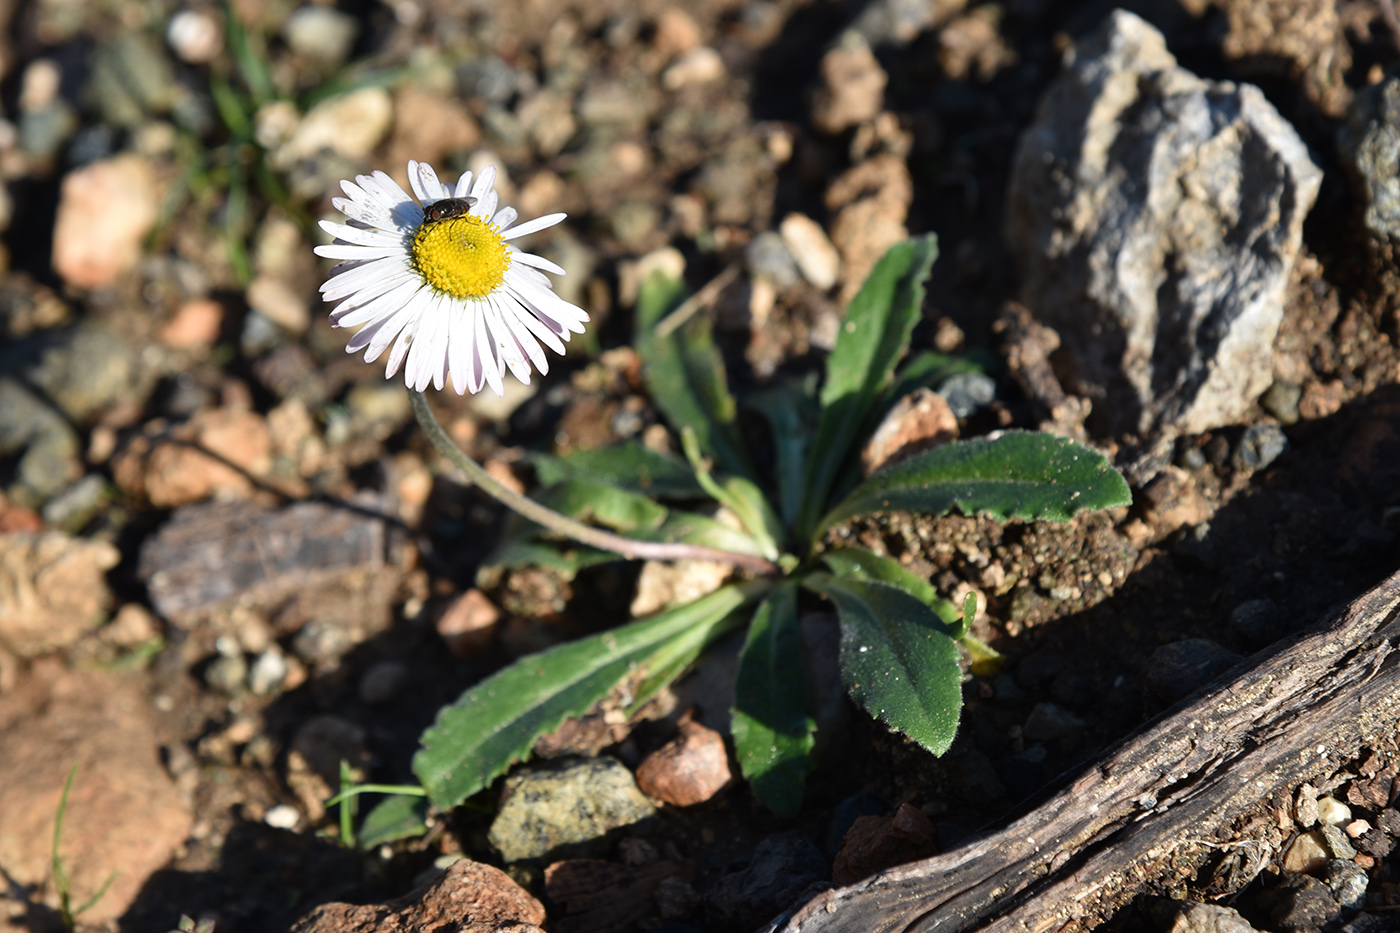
[[896, 660], [685, 375], [398, 816], [495, 723], [1017, 475], [871, 341], [592, 500], [773, 732], [629, 465]]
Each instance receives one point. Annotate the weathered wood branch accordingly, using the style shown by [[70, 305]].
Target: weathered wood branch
[[1290, 713]]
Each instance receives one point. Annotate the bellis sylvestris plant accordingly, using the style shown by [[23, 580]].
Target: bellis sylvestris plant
[[465, 301]]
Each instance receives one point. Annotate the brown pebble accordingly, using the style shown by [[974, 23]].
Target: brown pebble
[[469, 624], [689, 769], [874, 843]]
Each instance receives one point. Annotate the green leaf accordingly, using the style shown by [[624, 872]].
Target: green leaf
[[685, 375], [496, 722], [740, 496], [676, 655], [690, 528], [869, 344], [590, 500], [773, 733], [863, 565], [896, 660], [396, 817], [628, 465], [1017, 475], [790, 412]]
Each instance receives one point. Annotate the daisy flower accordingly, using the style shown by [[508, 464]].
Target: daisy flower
[[437, 283]]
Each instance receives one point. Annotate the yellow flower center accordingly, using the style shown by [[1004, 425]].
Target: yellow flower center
[[463, 256]]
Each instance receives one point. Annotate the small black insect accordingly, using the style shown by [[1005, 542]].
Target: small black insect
[[447, 208]]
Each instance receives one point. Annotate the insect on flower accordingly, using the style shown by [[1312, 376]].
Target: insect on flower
[[434, 279]]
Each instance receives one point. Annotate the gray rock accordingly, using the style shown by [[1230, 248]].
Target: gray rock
[[1260, 446], [1301, 904], [1336, 841], [1348, 882], [768, 257], [1049, 722], [896, 22], [968, 393], [268, 672], [322, 33], [1370, 146], [1156, 217], [566, 808], [782, 868], [83, 370], [1209, 918], [47, 446], [72, 508], [1175, 670], [1257, 622], [1281, 400]]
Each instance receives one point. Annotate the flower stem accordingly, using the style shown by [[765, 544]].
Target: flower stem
[[590, 535]]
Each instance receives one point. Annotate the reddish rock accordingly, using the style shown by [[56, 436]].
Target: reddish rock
[[853, 87], [871, 202], [53, 588], [218, 452], [874, 843], [470, 898], [105, 210], [689, 769], [469, 624], [125, 817], [195, 325], [920, 421]]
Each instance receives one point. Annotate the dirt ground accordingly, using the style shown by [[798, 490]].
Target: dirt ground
[[244, 688]]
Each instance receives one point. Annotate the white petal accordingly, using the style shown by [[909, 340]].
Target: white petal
[[459, 344], [514, 316], [403, 319], [346, 280], [361, 236], [551, 306], [484, 181], [505, 217], [505, 341], [400, 349], [533, 226], [533, 323], [538, 262], [488, 356], [366, 213], [351, 251], [486, 205], [378, 306], [464, 187], [429, 351]]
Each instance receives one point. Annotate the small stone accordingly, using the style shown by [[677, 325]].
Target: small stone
[[689, 769], [131, 627], [1348, 882], [195, 325], [875, 843], [283, 816], [811, 249], [1307, 853], [565, 807], [469, 624], [1300, 904], [1049, 722], [782, 867], [105, 210], [672, 583], [350, 125], [477, 898], [768, 258], [676, 32], [1332, 812], [1260, 446], [74, 506], [280, 303], [321, 33], [920, 421], [196, 36], [268, 673], [1257, 622], [383, 682], [217, 452], [1179, 668], [1209, 918], [871, 203], [853, 85], [1305, 806], [1281, 400], [1336, 841], [968, 393], [53, 589], [1356, 829], [698, 66], [1370, 142], [228, 674]]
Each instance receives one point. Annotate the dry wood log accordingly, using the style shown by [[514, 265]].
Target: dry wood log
[[1288, 714]]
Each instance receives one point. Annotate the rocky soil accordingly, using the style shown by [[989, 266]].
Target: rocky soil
[[234, 574]]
